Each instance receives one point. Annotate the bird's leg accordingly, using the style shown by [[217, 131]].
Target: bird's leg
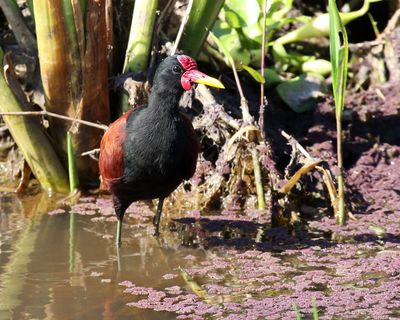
[[118, 233], [119, 212], [157, 217]]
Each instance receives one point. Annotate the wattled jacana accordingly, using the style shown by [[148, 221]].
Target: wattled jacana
[[150, 150]]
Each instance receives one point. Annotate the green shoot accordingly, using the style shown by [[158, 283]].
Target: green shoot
[[314, 310], [73, 174], [297, 311], [339, 59]]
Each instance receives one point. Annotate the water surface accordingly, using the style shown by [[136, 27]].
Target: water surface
[[62, 263]]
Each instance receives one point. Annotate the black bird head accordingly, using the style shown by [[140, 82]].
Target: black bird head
[[178, 73]]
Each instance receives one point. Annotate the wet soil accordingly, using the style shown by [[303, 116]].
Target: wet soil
[[371, 146]]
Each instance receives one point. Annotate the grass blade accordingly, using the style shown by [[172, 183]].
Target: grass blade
[[314, 310], [297, 311]]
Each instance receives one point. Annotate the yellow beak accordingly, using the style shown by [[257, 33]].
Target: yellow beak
[[210, 81], [195, 76]]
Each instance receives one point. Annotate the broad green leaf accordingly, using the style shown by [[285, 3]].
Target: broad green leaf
[[279, 9], [254, 32], [228, 36], [232, 19], [301, 93], [239, 13]]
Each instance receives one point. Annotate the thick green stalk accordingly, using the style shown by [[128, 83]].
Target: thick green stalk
[[201, 20], [140, 36], [73, 48], [139, 43], [33, 142]]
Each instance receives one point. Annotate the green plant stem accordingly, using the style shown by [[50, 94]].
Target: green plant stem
[[314, 310], [297, 311], [340, 180], [73, 174], [201, 19]]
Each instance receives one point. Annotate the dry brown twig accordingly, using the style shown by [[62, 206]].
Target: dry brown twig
[[55, 115], [185, 18], [309, 164], [380, 40], [262, 97], [252, 136]]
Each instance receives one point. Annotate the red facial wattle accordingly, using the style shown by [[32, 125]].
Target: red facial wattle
[[187, 64], [190, 77]]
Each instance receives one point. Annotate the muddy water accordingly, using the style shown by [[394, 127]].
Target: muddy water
[[62, 263], [66, 266]]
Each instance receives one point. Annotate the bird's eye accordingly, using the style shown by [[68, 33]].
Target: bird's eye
[[177, 69]]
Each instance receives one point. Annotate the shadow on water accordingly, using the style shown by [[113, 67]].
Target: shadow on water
[[245, 235]]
